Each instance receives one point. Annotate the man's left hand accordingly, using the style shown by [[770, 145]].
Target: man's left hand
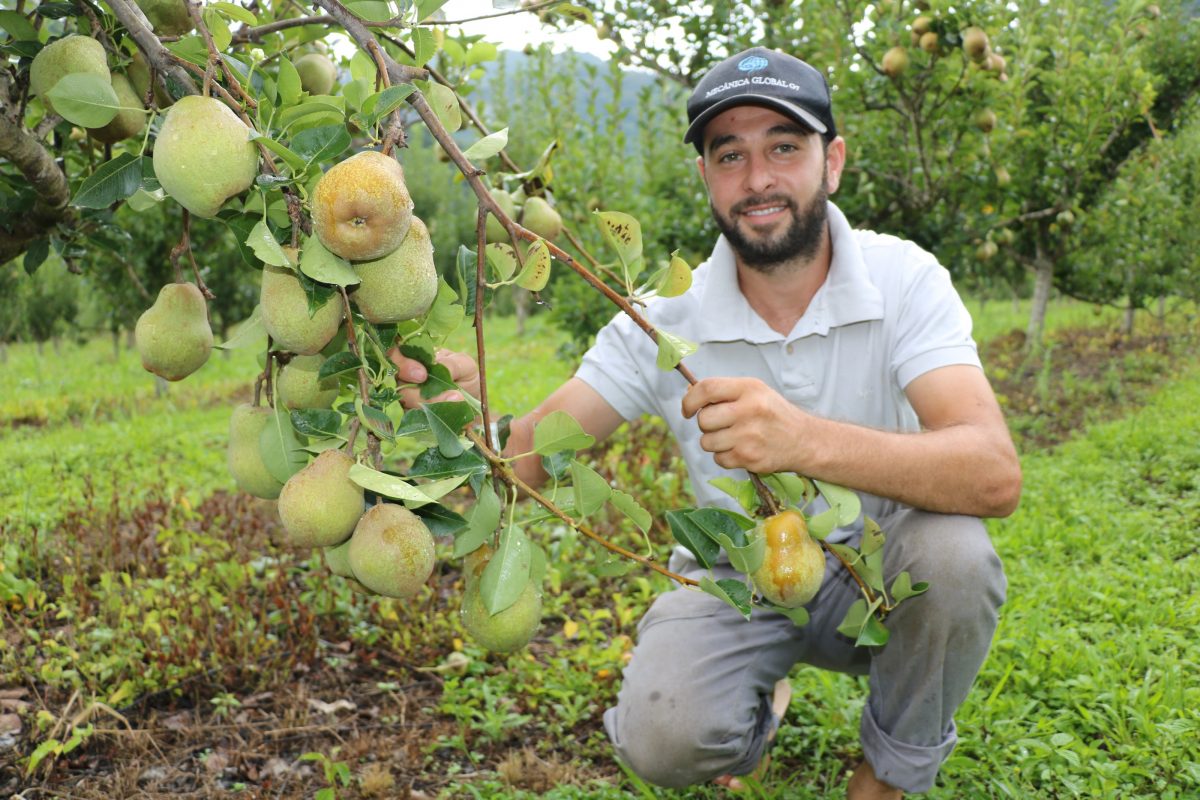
[[747, 424]]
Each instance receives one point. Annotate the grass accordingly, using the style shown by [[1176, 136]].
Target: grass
[[1087, 692]]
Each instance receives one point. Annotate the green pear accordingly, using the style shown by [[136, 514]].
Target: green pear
[[495, 231], [320, 505], [286, 317], [794, 565], [539, 217], [130, 120], [167, 17], [244, 455], [67, 56], [505, 631], [361, 208], [401, 285], [173, 336], [391, 551], [139, 78], [203, 155], [298, 387], [337, 558], [318, 75]]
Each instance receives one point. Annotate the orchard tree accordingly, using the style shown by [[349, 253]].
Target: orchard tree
[[288, 130]]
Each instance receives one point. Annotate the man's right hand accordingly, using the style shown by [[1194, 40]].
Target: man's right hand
[[463, 371]]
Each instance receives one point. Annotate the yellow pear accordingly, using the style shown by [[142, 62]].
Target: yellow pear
[[505, 631], [895, 61], [539, 217], [203, 155], [318, 75], [298, 387], [130, 120], [67, 56], [286, 317], [245, 457], [320, 505], [361, 208], [794, 565], [975, 44], [391, 551], [173, 336], [401, 285], [167, 17]]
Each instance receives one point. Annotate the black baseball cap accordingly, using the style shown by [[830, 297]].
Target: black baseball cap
[[762, 77]]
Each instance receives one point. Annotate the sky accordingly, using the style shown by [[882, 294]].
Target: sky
[[514, 31]]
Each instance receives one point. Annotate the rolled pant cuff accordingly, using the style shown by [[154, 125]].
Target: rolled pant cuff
[[906, 766]]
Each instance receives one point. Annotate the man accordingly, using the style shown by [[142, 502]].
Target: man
[[838, 354]]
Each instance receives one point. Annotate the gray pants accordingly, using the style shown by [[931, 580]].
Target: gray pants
[[695, 701]]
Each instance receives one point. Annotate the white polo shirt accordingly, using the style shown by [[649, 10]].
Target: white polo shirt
[[886, 314]]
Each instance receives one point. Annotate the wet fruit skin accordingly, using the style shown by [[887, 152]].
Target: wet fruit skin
[[794, 564]]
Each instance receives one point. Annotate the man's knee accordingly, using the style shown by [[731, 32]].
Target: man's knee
[[953, 553]]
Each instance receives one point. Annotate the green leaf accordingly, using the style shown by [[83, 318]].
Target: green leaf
[[424, 46], [112, 181], [288, 82], [432, 464], [873, 634], [733, 592], [823, 524], [847, 552], [321, 265], [316, 422], [693, 537], [17, 26], [465, 269], [508, 572], [281, 451], [557, 431], [446, 314], [395, 487], [448, 442], [336, 364], [48, 747], [36, 255], [870, 569], [295, 163], [444, 103], [323, 143], [798, 616], [741, 491], [381, 104], [903, 587], [85, 100], [488, 146], [672, 349], [590, 489], [376, 421], [218, 28], [630, 507], [439, 381], [263, 243], [856, 616], [481, 51], [873, 537], [744, 558], [328, 108], [481, 522], [557, 465], [141, 200], [795, 489], [440, 520], [235, 12], [536, 273], [846, 501], [503, 259], [623, 233], [677, 279]]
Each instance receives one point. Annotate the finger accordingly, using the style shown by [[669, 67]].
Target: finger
[[408, 370], [709, 391], [715, 417]]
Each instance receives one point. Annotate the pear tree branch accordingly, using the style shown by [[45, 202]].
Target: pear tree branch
[[38, 167], [158, 58]]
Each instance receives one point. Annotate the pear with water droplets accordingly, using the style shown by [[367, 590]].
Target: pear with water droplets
[[299, 385], [320, 505], [67, 56], [391, 551], [203, 155], [173, 336], [361, 208], [245, 459], [286, 316], [403, 284]]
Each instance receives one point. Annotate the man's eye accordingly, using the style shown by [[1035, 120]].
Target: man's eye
[[727, 157]]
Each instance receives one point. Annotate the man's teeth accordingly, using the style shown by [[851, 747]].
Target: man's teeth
[[761, 212]]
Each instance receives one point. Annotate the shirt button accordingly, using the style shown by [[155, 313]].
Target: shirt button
[[790, 348]]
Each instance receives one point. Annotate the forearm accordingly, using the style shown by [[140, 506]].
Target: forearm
[[958, 469]]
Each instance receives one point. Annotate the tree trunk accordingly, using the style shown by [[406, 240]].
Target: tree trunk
[[116, 343], [41, 348], [160, 386], [1127, 319], [1042, 283], [130, 341], [521, 305], [1162, 308], [3, 352], [56, 343]]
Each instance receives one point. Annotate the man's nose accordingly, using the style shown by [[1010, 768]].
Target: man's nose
[[759, 175]]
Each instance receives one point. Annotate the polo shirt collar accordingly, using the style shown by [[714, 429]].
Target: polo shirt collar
[[847, 296]]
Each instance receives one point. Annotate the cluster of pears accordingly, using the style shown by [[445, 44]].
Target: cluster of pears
[[794, 565], [534, 213], [975, 45], [82, 55]]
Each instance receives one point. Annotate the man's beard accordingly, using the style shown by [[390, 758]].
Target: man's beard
[[799, 243]]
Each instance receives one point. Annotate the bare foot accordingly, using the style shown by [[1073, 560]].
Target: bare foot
[[865, 786], [780, 699]]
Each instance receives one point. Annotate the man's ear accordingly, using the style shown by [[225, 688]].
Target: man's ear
[[700, 167], [835, 162]]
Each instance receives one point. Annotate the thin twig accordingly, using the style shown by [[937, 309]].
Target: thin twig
[[480, 287]]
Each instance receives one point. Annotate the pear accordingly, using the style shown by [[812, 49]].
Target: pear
[[318, 75], [139, 78], [361, 208], [337, 558], [985, 120], [539, 217], [244, 455], [286, 317], [895, 62], [297, 385], [495, 231], [975, 44], [929, 42], [507, 630], [167, 17], [320, 505], [67, 56], [794, 565], [391, 551], [401, 285], [130, 120], [173, 336], [203, 155], [922, 25]]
